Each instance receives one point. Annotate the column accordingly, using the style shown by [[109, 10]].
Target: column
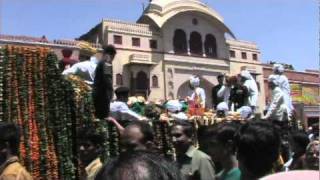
[[188, 43], [203, 46]]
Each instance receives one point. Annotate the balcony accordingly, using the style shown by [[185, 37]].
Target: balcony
[[141, 59]]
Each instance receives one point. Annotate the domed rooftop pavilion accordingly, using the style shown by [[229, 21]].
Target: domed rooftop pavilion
[[160, 11]]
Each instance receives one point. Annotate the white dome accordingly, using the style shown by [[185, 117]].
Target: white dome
[[165, 2], [160, 11]]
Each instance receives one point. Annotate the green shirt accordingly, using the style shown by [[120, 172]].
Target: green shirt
[[233, 174], [196, 165]]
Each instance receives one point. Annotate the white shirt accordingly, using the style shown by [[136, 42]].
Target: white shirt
[[201, 94], [224, 92], [86, 70], [285, 87], [121, 108], [277, 108], [252, 87]]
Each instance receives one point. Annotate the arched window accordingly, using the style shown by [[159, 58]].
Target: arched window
[[119, 80], [195, 43], [180, 42], [155, 82], [210, 45], [142, 81]]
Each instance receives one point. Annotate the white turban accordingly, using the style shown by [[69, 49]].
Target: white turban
[[223, 107], [173, 106], [195, 81], [278, 68], [246, 74], [245, 112], [274, 79]]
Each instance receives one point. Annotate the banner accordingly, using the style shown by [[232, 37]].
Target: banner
[[310, 95], [296, 93]]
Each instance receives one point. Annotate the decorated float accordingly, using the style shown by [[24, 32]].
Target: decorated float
[[49, 108]]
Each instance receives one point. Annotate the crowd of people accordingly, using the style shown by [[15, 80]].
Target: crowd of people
[[228, 150]]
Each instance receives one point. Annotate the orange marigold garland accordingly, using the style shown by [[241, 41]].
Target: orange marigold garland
[[43, 104], [17, 68]]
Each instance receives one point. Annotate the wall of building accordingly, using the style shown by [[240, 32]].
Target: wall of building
[[184, 21]]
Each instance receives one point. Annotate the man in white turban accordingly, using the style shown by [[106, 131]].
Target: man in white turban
[[174, 108], [245, 112], [251, 85], [224, 91], [284, 85], [277, 110], [198, 95], [223, 108]]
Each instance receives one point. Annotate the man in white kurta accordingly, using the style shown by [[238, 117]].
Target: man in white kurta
[[174, 108], [119, 108], [284, 85], [251, 85], [198, 94], [85, 70], [277, 110], [224, 91]]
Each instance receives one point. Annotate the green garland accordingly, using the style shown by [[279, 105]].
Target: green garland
[[49, 108]]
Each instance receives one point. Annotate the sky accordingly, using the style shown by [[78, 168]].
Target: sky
[[285, 31]]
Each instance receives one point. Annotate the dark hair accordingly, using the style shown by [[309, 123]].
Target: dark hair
[[220, 76], [122, 91], [187, 127], [67, 52], [9, 133], [91, 134], [139, 165], [109, 49], [222, 132], [301, 139], [258, 145], [152, 111], [145, 129]]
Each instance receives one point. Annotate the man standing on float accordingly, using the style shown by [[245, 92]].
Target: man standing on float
[[284, 85], [251, 85], [198, 94]]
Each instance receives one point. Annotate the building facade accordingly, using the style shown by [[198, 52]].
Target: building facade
[[172, 40]]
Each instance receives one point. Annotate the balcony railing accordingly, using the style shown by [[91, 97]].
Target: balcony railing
[[141, 59]]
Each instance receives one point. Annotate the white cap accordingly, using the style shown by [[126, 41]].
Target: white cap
[[245, 112], [246, 74], [223, 106], [195, 81], [173, 106], [278, 68]]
